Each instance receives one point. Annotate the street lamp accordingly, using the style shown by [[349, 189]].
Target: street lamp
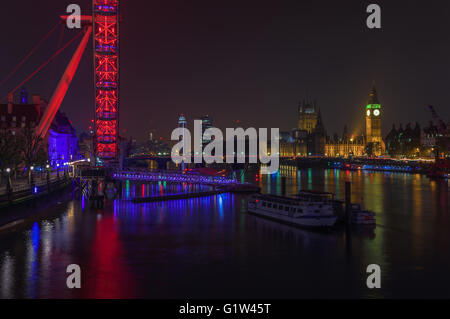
[[9, 186]]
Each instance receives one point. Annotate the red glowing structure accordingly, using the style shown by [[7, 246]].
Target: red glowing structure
[[66, 79], [106, 64], [104, 25]]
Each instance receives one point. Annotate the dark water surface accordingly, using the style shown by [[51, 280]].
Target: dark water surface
[[210, 247]]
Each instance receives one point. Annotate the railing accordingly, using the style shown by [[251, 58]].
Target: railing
[[174, 177], [24, 191]]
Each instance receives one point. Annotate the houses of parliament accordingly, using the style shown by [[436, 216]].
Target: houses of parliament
[[311, 139]]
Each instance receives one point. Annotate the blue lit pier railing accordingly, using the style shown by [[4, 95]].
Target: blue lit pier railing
[[174, 178], [388, 168]]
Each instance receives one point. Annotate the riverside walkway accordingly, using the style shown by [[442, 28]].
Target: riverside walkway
[[21, 192], [21, 184]]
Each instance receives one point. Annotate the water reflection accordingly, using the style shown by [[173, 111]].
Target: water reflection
[[32, 260], [108, 273], [135, 189], [160, 249], [7, 276]]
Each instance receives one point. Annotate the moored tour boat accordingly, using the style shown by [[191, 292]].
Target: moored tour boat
[[305, 211]]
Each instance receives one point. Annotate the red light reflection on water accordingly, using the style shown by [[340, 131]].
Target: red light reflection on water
[[108, 275]]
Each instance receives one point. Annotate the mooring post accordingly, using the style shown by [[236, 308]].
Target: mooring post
[[48, 181], [348, 202]]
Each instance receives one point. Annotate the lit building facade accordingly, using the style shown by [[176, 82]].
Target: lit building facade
[[206, 124], [182, 123], [373, 116], [62, 141], [307, 116], [16, 117], [346, 147], [311, 139], [293, 149], [404, 142]]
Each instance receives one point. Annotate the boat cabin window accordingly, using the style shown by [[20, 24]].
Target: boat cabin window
[[317, 211], [269, 205], [286, 208], [299, 210], [275, 205], [264, 204], [280, 207]]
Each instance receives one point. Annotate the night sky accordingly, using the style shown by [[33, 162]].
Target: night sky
[[247, 60]]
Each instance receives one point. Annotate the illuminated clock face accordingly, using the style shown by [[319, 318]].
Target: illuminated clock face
[[368, 112], [376, 112]]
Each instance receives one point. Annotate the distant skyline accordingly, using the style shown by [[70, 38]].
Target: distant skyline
[[251, 61]]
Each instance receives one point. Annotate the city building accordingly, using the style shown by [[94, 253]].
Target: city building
[[430, 135], [374, 139], [415, 141], [86, 146], [16, 117], [371, 143], [406, 142], [182, 123], [311, 139], [316, 142], [292, 145], [307, 116], [61, 141], [206, 124], [345, 146], [436, 139]]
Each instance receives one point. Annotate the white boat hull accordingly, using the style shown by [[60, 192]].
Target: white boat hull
[[320, 221]]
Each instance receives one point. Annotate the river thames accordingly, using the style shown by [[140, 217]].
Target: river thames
[[211, 248]]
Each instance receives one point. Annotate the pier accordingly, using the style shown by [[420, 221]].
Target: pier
[[174, 177]]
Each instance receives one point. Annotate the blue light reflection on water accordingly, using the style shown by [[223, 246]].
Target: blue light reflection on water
[[212, 241], [137, 189], [33, 261]]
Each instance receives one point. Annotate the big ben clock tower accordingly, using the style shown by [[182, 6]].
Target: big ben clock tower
[[373, 123]]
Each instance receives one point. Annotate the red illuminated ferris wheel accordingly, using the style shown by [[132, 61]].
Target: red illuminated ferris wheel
[[106, 63], [104, 25]]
